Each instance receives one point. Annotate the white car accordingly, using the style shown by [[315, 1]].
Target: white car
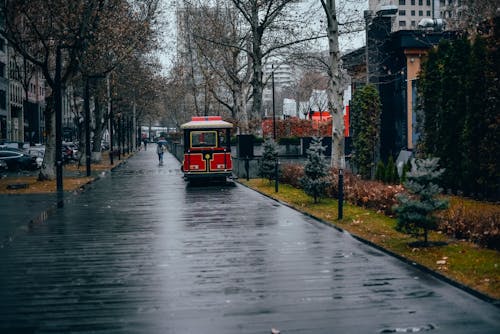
[[38, 153]]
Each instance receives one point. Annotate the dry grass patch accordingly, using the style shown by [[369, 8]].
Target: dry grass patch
[[39, 187]]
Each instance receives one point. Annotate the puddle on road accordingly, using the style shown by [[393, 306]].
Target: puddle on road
[[425, 328], [38, 220]]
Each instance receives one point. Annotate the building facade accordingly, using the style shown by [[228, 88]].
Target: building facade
[[394, 60], [4, 88], [411, 13]]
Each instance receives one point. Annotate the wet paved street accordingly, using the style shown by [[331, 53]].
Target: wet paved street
[[139, 252]]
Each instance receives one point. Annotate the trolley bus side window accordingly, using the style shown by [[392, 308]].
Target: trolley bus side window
[[203, 139]]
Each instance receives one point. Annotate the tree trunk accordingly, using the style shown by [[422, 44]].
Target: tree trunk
[[98, 131], [48, 170], [257, 83], [335, 91]]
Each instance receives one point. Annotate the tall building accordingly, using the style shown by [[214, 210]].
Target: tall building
[[412, 12], [409, 12], [4, 88]]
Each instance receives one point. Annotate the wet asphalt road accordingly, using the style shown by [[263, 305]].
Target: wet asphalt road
[[140, 252]]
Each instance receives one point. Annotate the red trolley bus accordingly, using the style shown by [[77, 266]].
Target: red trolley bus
[[207, 148]]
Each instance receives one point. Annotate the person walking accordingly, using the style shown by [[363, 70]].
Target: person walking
[[145, 144], [159, 150]]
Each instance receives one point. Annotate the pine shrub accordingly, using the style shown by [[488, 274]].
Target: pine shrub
[[416, 212], [380, 171], [315, 181], [267, 167], [391, 172]]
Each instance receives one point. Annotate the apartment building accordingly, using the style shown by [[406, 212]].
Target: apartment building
[[409, 12], [4, 88], [412, 12]]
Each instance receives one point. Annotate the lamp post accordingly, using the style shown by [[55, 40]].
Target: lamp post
[[341, 189], [274, 135], [110, 121], [58, 111], [87, 125]]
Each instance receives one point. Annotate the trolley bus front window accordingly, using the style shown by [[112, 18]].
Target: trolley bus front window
[[204, 139]]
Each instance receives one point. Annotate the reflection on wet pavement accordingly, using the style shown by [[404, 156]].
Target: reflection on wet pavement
[[142, 252]]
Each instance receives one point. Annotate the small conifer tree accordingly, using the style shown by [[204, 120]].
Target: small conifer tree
[[406, 169], [380, 171], [391, 171], [315, 181], [269, 159], [415, 213]]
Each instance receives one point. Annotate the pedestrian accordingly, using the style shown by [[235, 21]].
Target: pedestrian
[[145, 144], [159, 151]]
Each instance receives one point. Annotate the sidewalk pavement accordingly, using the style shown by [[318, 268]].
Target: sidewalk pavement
[[20, 212]]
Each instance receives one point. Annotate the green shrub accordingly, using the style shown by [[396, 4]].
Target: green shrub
[[289, 141], [391, 172], [380, 171]]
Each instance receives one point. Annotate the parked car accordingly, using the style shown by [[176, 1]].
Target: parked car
[[17, 159], [3, 165], [38, 153], [70, 151]]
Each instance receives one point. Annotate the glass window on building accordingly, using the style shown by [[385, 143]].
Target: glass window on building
[[413, 23], [3, 99], [428, 2], [428, 13], [402, 2], [412, 13], [402, 23], [420, 2], [413, 2], [402, 12], [420, 13]]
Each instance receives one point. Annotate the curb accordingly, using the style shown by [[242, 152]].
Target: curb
[[475, 293]]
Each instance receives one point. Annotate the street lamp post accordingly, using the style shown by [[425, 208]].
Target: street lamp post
[[341, 189], [274, 135], [58, 111], [110, 121], [87, 126]]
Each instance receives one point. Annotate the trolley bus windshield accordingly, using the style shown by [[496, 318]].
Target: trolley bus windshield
[[203, 139]]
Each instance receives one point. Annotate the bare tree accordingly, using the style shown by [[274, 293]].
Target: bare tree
[[264, 28], [269, 31], [121, 32], [468, 14], [221, 58], [52, 35]]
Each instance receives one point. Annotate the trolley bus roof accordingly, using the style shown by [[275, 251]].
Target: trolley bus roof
[[208, 122]]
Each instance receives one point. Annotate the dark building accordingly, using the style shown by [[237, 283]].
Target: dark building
[[393, 61]]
